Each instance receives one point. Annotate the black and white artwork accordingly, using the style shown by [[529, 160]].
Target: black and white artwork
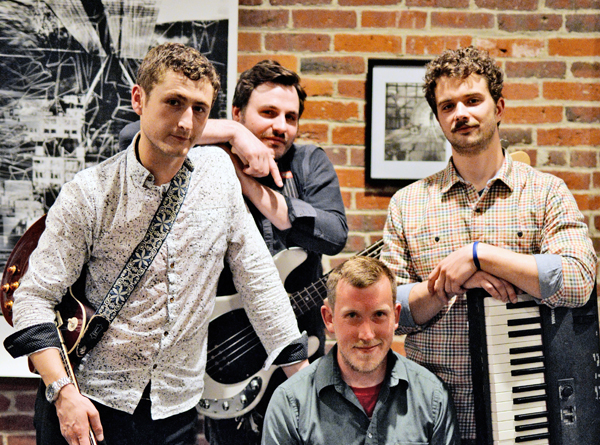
[[66, 72], [404, 140]]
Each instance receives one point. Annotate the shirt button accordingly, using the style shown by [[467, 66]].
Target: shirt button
[[369, 435], [154, 366], [172, 299], [166, 333], [172, 265]]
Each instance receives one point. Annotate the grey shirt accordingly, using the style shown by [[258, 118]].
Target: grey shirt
[[160, 334], [315, 406]]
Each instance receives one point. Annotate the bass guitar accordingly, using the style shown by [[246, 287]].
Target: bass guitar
[[234, 382]]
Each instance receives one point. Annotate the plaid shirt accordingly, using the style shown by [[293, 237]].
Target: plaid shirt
[[522, 210]]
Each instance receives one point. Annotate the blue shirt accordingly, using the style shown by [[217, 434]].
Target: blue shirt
[[316, 406]]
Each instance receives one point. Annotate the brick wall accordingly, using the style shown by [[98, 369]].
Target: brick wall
[[549, 49]]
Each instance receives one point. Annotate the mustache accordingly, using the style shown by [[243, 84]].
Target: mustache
[[276, 135], [460, 126]]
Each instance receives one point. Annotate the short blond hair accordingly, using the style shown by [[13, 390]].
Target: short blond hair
[[360, 272]]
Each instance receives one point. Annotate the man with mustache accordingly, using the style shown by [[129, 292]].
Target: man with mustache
[[483, 222], [304, 208], [361, 391]]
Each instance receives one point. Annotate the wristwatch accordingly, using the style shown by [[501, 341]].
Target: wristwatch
[[54, 388]]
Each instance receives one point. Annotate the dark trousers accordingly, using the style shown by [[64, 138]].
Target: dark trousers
[[120, 428]]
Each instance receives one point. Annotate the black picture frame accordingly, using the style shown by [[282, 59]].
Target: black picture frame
[[403, 140]]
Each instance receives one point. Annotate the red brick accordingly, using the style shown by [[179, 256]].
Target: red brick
[[582, 200], [338, 155], [586, 69], [19, 384], [529, 22], [379, 19], [425, 45], [317, 87], [352, 88], [333, 110], [587, 115], [574, 47], [533, 115], [369, 2], [254, 18], [299, 2], [371, 201], [574, 180], [315, 133], [518, 48], [297, 42], [597, 222], [556, 158], [584, 158], [17, 422], [25, 401], [520, 91], [357, 157], [21, 440], [250, 2], [573, 5], [333, 65], [347, 198], [521, 5], [351, 177], [462, 20], [366, 223], [324, 19], [355, 243], [594, 202], [583, 23], [368, 43], [248, 61], [569, 136], [438, 3], [4, 403], [394, 19], [516, 136], [596, 179], [249, 41], [348, 135], [571, 91], [542, 70]]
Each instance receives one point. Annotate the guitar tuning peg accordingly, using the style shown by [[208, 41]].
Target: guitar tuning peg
[[12, 269], [8, 305], [5, 287], [14, 285]]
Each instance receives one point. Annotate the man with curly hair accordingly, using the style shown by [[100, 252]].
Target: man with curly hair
[[485, 221]]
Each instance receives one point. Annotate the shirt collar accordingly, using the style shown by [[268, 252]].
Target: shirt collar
[[139, 174], [328, 371], [451, 177]]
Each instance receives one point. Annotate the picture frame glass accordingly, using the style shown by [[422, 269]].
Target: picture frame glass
[[404, 139]]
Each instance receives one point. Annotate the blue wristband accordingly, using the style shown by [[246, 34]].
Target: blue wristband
[[475, 259]]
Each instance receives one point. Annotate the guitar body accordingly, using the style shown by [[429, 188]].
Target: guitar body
[[71, 314], [234, 381]]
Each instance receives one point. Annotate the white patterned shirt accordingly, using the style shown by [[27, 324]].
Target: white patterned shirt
[[160, 334]]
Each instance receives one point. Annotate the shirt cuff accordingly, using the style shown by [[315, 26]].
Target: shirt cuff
[[33, 339], [549, 274], [296, 351], [406, 318]]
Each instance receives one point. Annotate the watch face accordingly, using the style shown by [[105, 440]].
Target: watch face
[[50, 393]]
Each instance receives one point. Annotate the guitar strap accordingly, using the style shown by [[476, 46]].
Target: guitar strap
[[139, 261]]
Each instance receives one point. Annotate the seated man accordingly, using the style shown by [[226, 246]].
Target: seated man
[[361, 388]]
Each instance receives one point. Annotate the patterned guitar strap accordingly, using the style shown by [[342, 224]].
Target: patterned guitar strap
[[138, 262]]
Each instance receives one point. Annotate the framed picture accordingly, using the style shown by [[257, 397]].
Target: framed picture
[[403, 138]]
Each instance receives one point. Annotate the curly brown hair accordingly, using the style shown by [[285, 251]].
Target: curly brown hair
[[461, 63], [179, 58]]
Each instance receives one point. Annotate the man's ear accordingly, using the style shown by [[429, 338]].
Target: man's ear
[[236, 114], [327, 315], [500, 109], [138, 96], [397, 309]]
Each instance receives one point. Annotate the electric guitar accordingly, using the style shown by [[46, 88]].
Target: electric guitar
[[234, 382]]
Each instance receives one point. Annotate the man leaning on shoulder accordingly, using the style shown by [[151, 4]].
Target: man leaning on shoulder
[[361, 391]]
